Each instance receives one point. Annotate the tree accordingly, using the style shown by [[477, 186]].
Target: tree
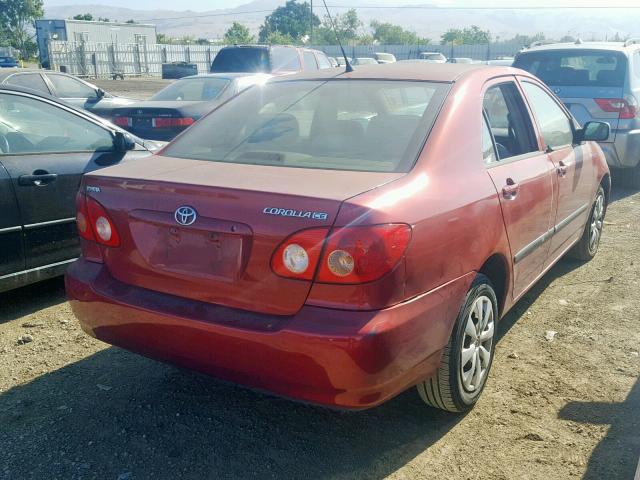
[[527, 40], [467, 36], [83, 16], [17, 22], [130, 21], [347, 26], [164, 39], [293, 20], [277, 38], [389, 34], [238, 34]]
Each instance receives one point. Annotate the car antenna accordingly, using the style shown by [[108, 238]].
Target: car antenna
[[348, 67]]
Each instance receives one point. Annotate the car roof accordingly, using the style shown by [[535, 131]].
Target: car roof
[[399, 71], [229, 75], [6, 72], [616, 46], [36, 93]]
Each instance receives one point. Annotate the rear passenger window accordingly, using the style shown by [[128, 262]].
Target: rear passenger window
[[323, 61], [309, 60], [33, 81], [284, 58], [554, 124], [488, 148], [509, 121]]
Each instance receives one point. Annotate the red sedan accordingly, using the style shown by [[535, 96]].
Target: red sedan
[[340, 237]]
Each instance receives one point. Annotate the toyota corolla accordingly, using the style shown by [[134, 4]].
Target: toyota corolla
[[340, 237]]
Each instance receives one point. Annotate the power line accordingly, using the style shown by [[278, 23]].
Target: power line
[[405, 7]]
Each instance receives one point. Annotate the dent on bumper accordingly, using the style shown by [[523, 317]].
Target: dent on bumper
[[348, 359]]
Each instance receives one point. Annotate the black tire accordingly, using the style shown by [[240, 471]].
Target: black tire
[[586, 249], [446, 390]]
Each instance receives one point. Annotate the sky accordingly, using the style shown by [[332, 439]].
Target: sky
[[204, 5]]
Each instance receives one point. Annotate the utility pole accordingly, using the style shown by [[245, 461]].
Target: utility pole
[[311, 22]]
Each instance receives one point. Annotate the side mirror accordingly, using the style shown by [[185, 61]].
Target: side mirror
[[100, 93], [123, 142], [594, 132]]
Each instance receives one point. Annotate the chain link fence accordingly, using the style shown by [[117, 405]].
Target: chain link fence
[[100, 60]]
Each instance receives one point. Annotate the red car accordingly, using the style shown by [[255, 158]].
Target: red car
[[339, 237]]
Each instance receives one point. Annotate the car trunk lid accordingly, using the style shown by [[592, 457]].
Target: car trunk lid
[[243, 213]]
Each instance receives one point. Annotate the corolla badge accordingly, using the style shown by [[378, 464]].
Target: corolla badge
[[289, 212], [185, 215]]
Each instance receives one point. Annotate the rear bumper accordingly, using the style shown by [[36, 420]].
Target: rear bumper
[[347, 359], [624, 152]]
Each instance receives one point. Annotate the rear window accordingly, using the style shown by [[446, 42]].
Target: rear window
[[359, 125], [193, 89], [7, 60], [579, 68], [242, 59]]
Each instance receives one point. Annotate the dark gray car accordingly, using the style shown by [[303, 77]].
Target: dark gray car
[[598, 81], [45, 148], [177, 106], [68, 88]]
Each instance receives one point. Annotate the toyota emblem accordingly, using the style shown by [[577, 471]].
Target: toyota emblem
[[185, 215]]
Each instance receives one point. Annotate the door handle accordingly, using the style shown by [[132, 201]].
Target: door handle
[[39, 178], [562, 169], [510, 190]]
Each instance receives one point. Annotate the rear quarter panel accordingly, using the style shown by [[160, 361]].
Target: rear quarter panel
[[448, 199]]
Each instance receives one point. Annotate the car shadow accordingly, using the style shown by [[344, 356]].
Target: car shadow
[[115, 413], [619, 191], [30, 299], [616, 456], [561, 268]]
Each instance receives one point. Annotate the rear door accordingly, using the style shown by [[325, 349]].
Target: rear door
[[523, 176], [574, 170], [11, 248], [589, 82], [49, 148]]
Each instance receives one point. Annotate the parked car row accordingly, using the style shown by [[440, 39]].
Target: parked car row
[[325, 236]]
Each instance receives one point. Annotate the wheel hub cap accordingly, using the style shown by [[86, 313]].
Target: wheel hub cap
[[477, 343]]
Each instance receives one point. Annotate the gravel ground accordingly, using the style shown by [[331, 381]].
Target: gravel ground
[[74, 408]]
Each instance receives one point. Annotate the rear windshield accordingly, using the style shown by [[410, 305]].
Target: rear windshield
[[432, 56], [579, 68], [193, 89], [7, 60], [242, 59], [360, 125]]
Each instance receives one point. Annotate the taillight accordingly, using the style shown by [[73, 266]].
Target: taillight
[[101, 227], [351, 255], [626, 108], [123, 121], [363, 254], [167, 122], [82, 218], [298, 255]]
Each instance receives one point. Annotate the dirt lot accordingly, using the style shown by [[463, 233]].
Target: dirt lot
[[74, 408], [139, 88]]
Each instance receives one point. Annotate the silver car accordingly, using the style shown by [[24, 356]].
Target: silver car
[[597, 81]]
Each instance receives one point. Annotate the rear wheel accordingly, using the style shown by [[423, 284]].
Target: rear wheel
[[588, 245], [467, 358]]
